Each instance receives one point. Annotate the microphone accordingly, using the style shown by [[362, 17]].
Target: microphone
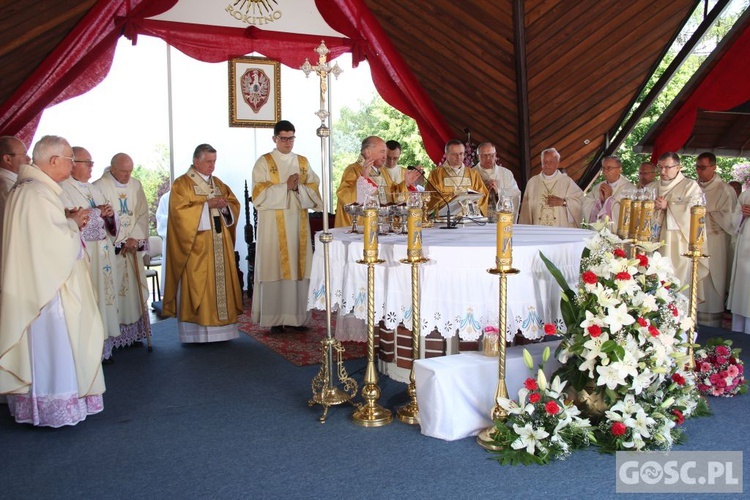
[[448, 224]]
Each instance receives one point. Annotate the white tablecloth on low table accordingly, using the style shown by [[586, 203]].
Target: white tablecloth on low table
[[458, 294], [456, 393]]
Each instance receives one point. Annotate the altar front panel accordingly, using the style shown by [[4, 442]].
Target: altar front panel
[[458, 295]]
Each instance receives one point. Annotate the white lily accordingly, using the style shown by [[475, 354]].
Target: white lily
[[617, 317], [605, 297], [528, 437], [614, 374], [556, 388], [660, 265]]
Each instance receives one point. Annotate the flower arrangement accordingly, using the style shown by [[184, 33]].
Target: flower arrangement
[[719, 369], [624, 350], [541, 426], [741, 173]]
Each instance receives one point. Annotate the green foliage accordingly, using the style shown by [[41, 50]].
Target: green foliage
[[374, 117], [154, 178]]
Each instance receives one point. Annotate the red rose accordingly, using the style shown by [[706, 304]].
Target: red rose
[[653, 331], [594, 330], [642, 260], [623, 275], [642, 321], [534, 397], [618, 429], [589, 277], [530, 384], [678, 417], [551, 408], [679, 379], [619, 252], [549, 329]]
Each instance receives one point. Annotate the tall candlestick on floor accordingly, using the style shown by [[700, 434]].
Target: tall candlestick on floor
[[695, 252], [371, 414], [503, 263], [409, 413]]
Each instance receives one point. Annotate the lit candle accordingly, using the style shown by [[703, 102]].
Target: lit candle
[[697, 227], [623, 222], [504, 257], [371, 233], [414, 226], [635, 219], [647, 214]]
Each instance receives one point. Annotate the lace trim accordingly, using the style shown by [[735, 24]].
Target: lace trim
[[53, 411]]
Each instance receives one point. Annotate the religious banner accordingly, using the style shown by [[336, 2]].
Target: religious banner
[[254, 92]]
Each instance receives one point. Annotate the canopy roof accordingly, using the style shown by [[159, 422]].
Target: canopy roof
[[526, 75], [712, 111]]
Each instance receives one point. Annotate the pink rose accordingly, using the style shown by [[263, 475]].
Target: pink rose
[[705, 367], [717, 391], [720, 360], [722, 350]]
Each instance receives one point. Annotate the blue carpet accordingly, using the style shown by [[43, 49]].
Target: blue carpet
[[231, 420]]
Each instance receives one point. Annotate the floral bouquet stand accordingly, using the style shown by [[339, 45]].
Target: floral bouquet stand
[[719, 371]]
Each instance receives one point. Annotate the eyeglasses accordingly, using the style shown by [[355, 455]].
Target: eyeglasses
[[286, 139], [71, 158], [87, 162], [667, 167], [487, 154]]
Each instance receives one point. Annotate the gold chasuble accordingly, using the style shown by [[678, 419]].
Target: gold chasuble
[[448, 180], [200, 254]]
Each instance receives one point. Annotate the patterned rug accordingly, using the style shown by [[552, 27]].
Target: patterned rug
[[299, 348]]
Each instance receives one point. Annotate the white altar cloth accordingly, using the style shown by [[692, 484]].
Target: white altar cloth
[[456, 393], [458, 294]]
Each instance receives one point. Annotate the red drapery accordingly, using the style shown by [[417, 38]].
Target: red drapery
[[725, 87], [85, 56]]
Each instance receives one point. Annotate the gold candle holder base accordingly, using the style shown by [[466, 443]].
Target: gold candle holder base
[[409, 413], [324, 392], [371, 414]]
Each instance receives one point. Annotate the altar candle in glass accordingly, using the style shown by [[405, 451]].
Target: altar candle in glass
[[635, 219], [414, 226], [697, 227], [623, 220], [504, 257], [371, 233], [647, 214]]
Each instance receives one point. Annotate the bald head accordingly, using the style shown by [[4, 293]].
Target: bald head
[[374, 148], [121, 167]]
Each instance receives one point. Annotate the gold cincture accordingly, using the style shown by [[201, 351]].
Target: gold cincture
[[324, 391], [504, 267]]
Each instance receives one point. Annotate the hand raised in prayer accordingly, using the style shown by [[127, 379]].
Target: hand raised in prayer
[[660, 203], [367, 167], [605, 191], [107, 210], [79, 215], [292, 183], [492, 185], [217, 202], [412, 177]]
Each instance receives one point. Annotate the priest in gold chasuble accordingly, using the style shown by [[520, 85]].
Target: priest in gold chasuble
[[453, 176], [202, 288]]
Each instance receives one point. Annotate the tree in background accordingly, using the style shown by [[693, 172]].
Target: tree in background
[[631, 160], [374, 117], [155, 182]]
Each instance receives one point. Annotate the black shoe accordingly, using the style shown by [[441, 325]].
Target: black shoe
[[277, 329], [301, 328]]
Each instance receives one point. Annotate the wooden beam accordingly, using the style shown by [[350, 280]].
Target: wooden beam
[[522, 93]]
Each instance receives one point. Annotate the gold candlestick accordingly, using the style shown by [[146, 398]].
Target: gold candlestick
[[623, 222], [409, 413], [635, 224], [371, 414], [695, 252], [647, 215], [504, 263]]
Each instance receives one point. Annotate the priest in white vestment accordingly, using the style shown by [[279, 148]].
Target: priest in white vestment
[[603, 200], [131, 207], [722, 214], [676, 194], [739, 288], [551, 197], [284, 189], [13, 154], [497, 179], [98, 235], [647, 173], [51, 344]]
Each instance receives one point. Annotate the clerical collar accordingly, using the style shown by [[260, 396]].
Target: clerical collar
[[665, 183], [283, 155], [455, 170], [557, 172], [706, 183], [204, 177]]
